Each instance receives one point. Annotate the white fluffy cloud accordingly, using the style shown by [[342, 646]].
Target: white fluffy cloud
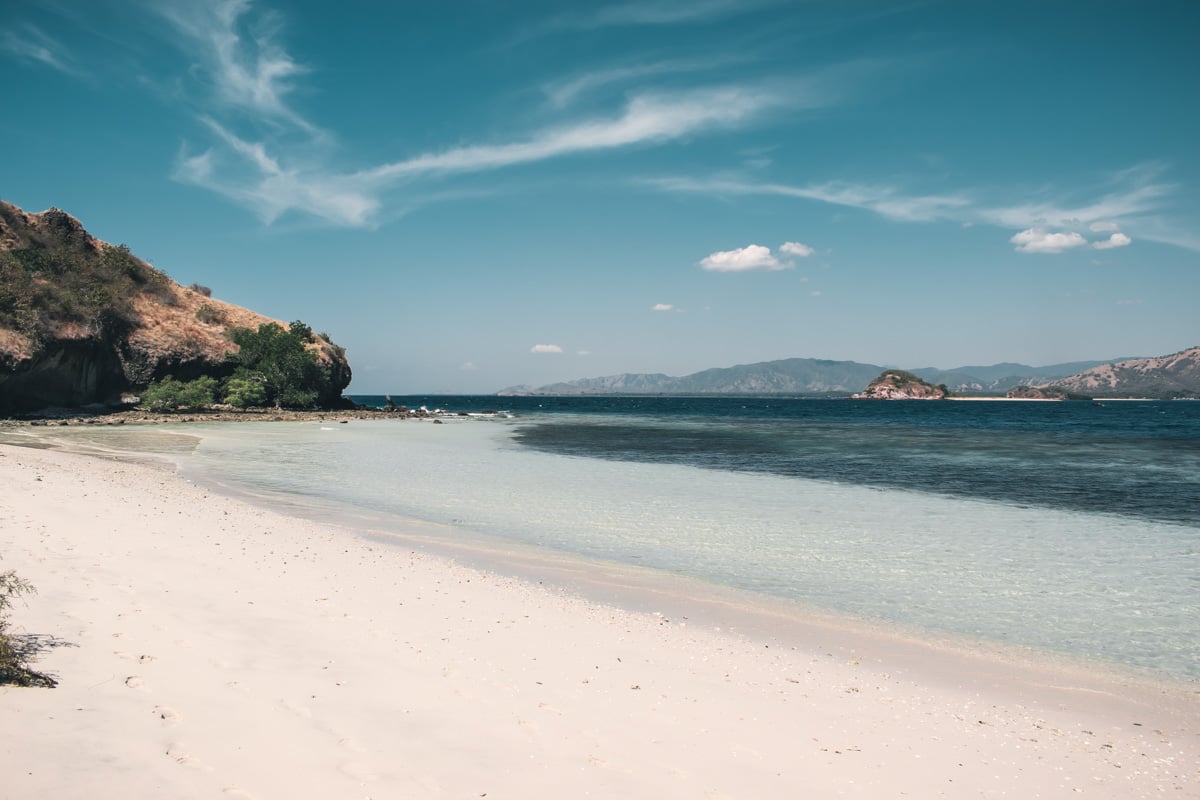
[[1040, 240], [1118, 239], [545, 348], [662, 307], [796, 249], [751, 258]]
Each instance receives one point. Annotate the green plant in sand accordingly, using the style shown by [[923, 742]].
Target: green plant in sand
[[17, 652]]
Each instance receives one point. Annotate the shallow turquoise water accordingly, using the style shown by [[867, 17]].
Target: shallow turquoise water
[[1100, 584]]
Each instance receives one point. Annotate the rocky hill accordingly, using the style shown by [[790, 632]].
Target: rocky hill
[[83, 321], [896, 384], [1173, 376], [998, 379], [1038, 393]]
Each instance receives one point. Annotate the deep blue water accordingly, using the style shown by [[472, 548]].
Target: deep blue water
[[1132, 458]]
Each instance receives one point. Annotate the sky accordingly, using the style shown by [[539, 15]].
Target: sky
[[479, 194]]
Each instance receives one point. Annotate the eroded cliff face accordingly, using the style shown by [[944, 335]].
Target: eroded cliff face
[[83, 321]]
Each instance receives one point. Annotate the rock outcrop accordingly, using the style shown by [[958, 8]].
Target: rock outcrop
[[84, 322], [896, 384]]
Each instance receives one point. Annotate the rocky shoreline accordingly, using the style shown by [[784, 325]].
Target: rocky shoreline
[[77, 417]]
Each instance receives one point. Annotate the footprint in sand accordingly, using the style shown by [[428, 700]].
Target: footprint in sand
[[351, 744], [134, 681], [182, 757], [145, 659], [167, 713]]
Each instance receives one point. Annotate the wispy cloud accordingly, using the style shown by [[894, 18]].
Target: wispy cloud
[[1128, 202], [264, 153], [250, 71], [246, 173], [27, 42], [565, 91], [886, 201], [272, 184], [662, 307], [650, 12], [545, 348], [647, 119], [1132, 200]]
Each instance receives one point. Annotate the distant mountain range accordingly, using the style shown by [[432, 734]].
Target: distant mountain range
[[1167, 376], [807, 376]]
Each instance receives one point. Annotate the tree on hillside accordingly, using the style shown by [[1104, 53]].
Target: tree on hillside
[[277, 359]]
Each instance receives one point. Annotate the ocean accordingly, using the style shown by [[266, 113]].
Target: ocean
[[1070, 528]]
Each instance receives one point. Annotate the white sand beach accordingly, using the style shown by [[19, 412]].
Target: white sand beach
[[212, 648]]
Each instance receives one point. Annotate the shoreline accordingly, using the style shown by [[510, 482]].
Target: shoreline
[[625, 585], [221, 646]]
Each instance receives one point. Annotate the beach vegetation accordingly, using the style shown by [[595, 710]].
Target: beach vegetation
[[16, 652], [279, 360], [243, 391], [170, 394]]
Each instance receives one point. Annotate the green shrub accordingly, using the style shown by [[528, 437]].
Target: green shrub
[[243, 391], [14, 656], [277, 359], [172, 395]]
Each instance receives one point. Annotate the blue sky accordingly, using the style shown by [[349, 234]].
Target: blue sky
[[473, 195]]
